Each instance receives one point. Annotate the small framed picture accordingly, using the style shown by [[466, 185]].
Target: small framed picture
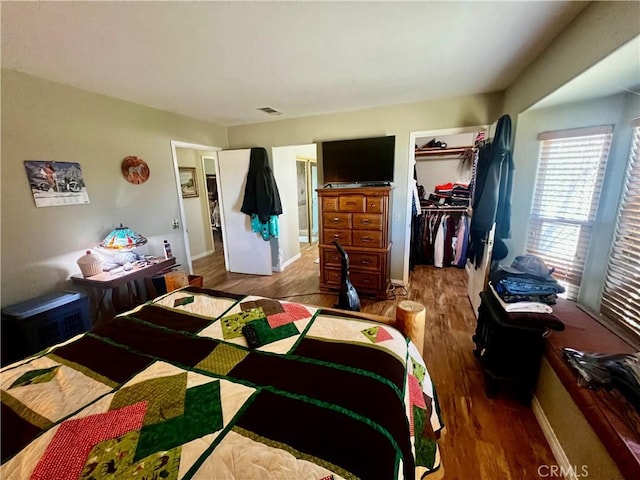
[[188, 182]]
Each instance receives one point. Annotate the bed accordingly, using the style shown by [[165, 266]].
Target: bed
[[172, 389]]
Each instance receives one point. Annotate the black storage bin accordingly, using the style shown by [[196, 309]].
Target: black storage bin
[[509, 354], [36, 324]]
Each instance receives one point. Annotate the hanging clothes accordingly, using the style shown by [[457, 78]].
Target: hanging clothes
[[492, 194], [432, 223], [449, 234], [439, 238], [261, 196], [462, 241], [439, 243]]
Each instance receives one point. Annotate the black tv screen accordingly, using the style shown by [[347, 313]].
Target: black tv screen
[[362, 160]]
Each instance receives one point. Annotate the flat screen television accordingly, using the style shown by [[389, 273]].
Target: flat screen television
[[360, 160]]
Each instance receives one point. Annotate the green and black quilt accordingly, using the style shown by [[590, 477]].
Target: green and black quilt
[[172, 390]]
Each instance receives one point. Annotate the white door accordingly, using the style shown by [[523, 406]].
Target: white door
[[245, 250]]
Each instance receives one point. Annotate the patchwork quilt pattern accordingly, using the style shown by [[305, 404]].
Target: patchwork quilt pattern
[[171, 390]]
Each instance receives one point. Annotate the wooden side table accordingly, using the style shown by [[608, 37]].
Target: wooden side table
[[120, 299]]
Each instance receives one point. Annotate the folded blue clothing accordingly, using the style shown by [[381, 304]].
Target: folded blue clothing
[[528, 287], [549, 299], [500, 275]]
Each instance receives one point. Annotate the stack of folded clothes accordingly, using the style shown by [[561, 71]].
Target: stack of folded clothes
[[449, 195], [458, 194], [526, 285]]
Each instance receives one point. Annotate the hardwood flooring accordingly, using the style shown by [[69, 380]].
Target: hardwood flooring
[[484, 438]]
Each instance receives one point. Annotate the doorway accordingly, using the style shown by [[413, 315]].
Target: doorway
[[215, 218], [195, 214], [307, 181]]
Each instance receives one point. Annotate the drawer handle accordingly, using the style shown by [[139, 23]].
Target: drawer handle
[[372, 205], [336, 235], [365, 261], [336, 258], [366, 280], [352, 203], [365, 221], [365, 239], [335, 220]]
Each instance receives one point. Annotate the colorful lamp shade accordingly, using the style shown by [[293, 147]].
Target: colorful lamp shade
[[122, 239]]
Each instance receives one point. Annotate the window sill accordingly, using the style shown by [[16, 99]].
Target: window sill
[[613, 419]]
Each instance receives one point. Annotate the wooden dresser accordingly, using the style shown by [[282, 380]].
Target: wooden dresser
[[358, 218]]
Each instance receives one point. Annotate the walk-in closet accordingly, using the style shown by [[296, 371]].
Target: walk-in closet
[[443, 174]]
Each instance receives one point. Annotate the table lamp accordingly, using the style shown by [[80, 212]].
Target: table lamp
[[120, 242]]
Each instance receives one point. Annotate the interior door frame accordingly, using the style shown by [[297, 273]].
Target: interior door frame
[[204, 171], [308, 161], [413, 136], [183, 218]]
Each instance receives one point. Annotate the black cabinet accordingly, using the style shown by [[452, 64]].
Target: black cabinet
[[510, 354]]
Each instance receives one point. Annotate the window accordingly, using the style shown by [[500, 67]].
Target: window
[[568, 184], [621, 292]]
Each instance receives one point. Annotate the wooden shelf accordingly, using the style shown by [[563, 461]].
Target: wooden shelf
[[442, 152]]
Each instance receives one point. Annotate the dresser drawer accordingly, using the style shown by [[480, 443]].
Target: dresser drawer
[[342, 236], [367, 238], [336, 220], [367, 221], [374, 205], [365, 280], [365, 260], [329, 204], [332, 257], [332, 276], [360, 280], [370, 261], [351, 203]]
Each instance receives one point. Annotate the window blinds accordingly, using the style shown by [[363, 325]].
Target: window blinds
[[567, 191], [621, 294]]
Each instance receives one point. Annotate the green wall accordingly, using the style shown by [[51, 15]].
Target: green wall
[[43, 120]]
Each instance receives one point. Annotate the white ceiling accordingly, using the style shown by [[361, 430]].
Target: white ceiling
[[220, 61]]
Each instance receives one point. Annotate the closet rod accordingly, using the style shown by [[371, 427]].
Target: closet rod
[[444, 209]]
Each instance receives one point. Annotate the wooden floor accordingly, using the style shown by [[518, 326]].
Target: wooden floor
[[485, 438]]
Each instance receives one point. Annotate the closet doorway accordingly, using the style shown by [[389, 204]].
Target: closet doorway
[[307, 180], [438, 158]]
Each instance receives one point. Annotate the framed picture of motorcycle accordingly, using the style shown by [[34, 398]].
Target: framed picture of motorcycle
[[56, 183]]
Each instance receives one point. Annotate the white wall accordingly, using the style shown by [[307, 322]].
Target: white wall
[[600, 29], [43, 120], [284, 171]]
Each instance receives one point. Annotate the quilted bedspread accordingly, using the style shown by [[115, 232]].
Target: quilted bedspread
[[171, 390]]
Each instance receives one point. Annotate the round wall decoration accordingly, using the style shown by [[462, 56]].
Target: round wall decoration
[[135, 170]]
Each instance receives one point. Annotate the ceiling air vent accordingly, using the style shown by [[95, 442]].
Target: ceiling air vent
[[270, 111]]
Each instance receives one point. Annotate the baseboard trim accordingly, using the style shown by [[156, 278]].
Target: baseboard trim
[[288, 262], [556, 447], [201, 255]]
